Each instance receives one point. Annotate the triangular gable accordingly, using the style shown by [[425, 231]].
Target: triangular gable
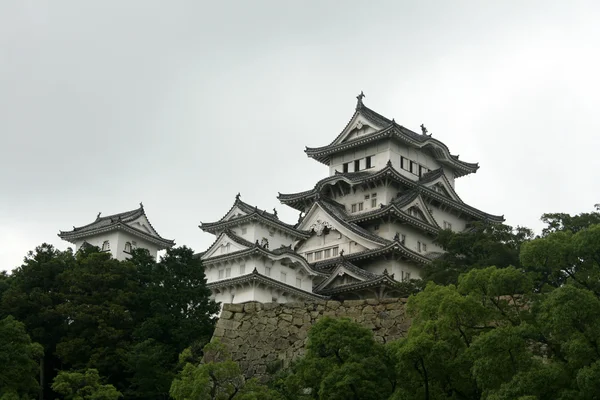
[[341, 276], [318, 219], [358, 127], [235, 212], [141, 223], [443, 187], [418, 208], [223, 245]]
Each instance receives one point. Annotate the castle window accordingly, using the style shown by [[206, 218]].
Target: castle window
[[221, 273], [106, 246], [404, 163], [309, 257], [421, 247], [376, 227], [272, 233], [424, 248], [374, 200], [283, 276], [368, 162], [414, 168], [128, 247], [356, 165], [353, 208], [227, 272], [334, 251], [242, 269], [447, 225], [244, 230], [318, 255], [345, 166], [298, 282], [360, 206], [268, 271], [367, 196], [326, 253]]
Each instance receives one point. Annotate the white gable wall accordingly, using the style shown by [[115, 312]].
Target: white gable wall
[[117, 240]]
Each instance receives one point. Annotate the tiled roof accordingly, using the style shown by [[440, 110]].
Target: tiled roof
[[355, 178], [345, 264], [252, 214], [116, 221], [255, 276], [384, 280]]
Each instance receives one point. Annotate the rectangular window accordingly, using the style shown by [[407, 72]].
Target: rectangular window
[[242, 269], [360, 206], [221, 273], [298, 282], [283, 276], [407, 276], [403, 238], [326, 253], [414, 168], [227, 272], [353, 208], [447, 225], [424, 248], [309, 257], [356, 165], [367, 196], [368, 162], [419, 247], [268, 271], [376, 227], [345, 167], [334, 252], [373, 203], [244, 230], [318, 255]]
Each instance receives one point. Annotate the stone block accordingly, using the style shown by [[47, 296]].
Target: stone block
[[333, 305], [228, 324], [233, 307], [353, 303], [226, 314], [286, 317]]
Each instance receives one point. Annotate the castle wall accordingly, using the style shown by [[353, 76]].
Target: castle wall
[[263, 337]]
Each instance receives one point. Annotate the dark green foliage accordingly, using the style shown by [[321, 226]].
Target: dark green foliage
[[481, 246], [558, 222], [19, 359], [83, 386], [127, 319]]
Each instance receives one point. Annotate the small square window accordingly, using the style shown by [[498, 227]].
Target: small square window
[[327, 253], [309, 257], [334, 251], [242, 269], [221, 273], [283, 276], [298, 282], [227, 272], [268, 271]]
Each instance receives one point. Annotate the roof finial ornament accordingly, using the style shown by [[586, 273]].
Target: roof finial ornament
[[300, 217], [274, 211], [359, 103], [141, 205], [237, 196], [98, 216], [423, 129], [342, 253]]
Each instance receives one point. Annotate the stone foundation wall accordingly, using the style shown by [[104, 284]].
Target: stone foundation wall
[[263, 337]]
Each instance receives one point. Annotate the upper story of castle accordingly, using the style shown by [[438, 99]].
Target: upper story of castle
[[370, 142]]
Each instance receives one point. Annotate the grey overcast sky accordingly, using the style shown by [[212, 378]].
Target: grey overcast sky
[[182, 104]]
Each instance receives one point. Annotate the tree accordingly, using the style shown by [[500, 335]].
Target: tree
[[83, 386], [342, 361], [18, 361], [217, 377], [481, 246], [561, 222]]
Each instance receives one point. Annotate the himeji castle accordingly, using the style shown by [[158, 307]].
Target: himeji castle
[[368, 225]]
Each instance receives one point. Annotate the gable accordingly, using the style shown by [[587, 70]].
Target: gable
[[223, 245], [235, 212], [343, 275], [441, 186], [417, 208], [142, 224], [320, 221], [358, 127]]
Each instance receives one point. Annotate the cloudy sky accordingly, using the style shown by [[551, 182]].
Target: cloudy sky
[[182, 104]]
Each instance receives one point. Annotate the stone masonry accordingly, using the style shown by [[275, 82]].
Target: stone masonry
[[264, 337]]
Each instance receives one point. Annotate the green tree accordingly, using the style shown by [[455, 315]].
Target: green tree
[[217, 377], [83, 386], [18, 361], [479, 247], [560, 222], [342, 361]]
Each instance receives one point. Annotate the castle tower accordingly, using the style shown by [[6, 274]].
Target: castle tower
[[119, 234], [372, 222]]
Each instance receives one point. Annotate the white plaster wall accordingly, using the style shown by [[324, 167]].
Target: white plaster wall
[[332, 239], [117, 240], [395, 267], [413, 236], [379, 153], [384, 196], [458, 224]]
